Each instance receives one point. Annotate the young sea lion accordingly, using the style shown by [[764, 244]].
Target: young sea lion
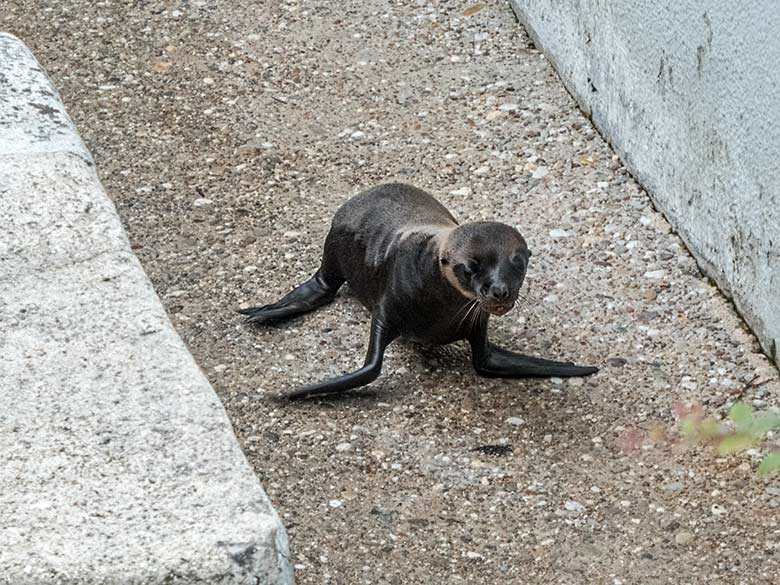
[[424, 277]]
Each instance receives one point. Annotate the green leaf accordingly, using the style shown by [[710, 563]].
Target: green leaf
[[709, 429], [763, 423], [742, 415], [688, 426], [734, 443], [770, 463]]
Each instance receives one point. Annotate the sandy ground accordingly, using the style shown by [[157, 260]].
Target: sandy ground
[[228, 133]]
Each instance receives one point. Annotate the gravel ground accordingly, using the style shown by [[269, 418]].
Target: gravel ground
[[228, 133]]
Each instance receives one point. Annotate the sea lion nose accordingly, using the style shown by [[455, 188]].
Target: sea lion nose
[[499, 292]]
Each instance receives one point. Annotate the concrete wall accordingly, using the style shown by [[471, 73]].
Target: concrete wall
[[688, 93]]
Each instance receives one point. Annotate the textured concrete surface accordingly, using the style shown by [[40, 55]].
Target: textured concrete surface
[[228, 132], [119, 464], [688, 93]]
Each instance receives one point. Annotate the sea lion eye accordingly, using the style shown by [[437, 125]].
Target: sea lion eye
[[467, 269]]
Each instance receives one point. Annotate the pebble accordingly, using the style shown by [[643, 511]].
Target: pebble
[[462, 192], [515, 421], [201, 202], [341, 447], [616, 362], [335, 503], [674, 487], [539, 173], [655, 274], [573, 506], [220, 368], [559, 233], [474, 555], [718, 510], [357, 135], [683, 537], [512, 108]]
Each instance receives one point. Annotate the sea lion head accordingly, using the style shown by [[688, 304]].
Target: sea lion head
[[486, 261]]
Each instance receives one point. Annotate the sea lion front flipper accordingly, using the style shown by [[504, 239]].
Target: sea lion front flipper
[[381, 337], [492, 361], [313, 293]]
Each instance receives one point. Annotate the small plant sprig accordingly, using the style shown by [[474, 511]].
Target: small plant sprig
[[748, 430]]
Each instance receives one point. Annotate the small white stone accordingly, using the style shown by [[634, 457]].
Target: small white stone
[[201, 202], [539, 173], [655, 274], [559, 233], [556, 381], [481, 171], [515, 421], [474, 555], [573, 506], [550, 298], [250, 268], [718, 510], [335, 503], [208, 80], [645, 220], [357, 135], [341, 447], [462, 192], [220, 368], [512, 108]]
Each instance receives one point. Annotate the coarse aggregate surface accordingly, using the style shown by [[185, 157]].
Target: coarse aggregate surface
[[228, 132]]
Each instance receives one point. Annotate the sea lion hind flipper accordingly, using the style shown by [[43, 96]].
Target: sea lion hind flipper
[[496, 362], [492, 361], [310, 295], [381, 337]]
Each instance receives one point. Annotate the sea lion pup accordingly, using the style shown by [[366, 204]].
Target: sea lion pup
[[424, 277]]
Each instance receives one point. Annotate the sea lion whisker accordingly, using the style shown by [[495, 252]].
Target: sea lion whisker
[[469, 309]]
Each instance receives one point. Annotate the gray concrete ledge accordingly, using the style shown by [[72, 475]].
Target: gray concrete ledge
[[119, 464], [688, 94]]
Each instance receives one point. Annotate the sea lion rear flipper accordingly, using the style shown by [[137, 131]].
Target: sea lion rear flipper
[[501, 363], [492, 361], [310, 295], [381, 337]]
